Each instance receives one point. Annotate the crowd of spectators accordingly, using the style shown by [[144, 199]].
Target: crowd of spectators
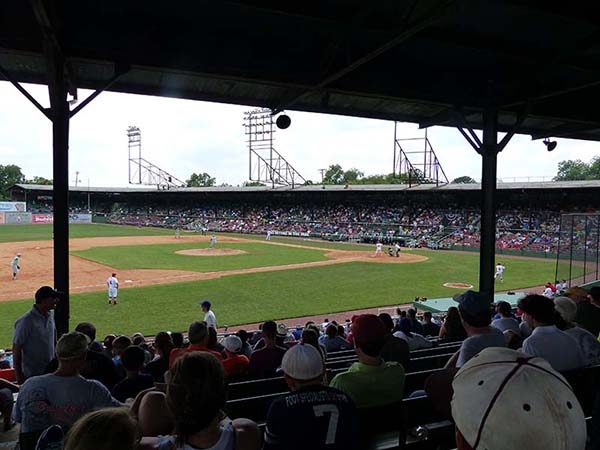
[[173, 393]]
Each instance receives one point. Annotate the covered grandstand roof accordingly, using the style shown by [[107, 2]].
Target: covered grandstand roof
[[425, 61], [554, 185]]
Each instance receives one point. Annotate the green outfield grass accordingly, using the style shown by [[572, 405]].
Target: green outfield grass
[[162, 256], [17, 233], [256, 297]]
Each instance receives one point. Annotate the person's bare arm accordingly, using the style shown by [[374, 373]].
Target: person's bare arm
[[4, 384], [452, 361], [18, 363]]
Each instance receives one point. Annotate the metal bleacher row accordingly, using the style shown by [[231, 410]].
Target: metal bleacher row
[[413, 423]]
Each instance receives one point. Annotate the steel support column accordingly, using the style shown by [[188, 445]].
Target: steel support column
[[489, 156], [60, 115]]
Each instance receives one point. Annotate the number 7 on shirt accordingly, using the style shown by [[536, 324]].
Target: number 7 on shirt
[[320, 410]]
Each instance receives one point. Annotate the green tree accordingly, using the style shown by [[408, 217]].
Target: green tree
[[334, 175], [465, 179], [252, 184], [9, 176], [577, 169], [39, 180], [200, 180], [351, 176]]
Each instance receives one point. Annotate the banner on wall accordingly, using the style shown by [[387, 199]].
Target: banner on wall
[[17, 218], [12, 206], [42, 218], [80, 218], [2, 218]]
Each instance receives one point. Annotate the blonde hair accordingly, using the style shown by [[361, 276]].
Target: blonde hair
[[106, 429]]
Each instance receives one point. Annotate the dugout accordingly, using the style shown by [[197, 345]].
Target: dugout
[[432, 62]]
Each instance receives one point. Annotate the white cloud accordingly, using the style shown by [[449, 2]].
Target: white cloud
[[187, 136]]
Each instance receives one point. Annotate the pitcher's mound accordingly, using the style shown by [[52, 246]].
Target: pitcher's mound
[[210, 252]]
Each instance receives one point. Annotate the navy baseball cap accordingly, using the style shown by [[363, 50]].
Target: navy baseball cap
[[46, 292], [205, 303], [473, 303]]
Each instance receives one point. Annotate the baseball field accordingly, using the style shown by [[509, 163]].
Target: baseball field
[[248, 280]]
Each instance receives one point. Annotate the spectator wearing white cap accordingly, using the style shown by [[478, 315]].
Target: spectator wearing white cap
[[312, 416], [235, 365], [588, 343], [547, 341], [476, 317], [507, 400], [60, 398]]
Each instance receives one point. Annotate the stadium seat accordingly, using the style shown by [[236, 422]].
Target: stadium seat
[[8, 375]]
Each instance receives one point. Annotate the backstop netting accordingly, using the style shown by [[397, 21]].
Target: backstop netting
[[578, 254]]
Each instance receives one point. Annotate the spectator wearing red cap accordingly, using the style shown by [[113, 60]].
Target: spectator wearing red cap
[[371, 381], [322, 417]]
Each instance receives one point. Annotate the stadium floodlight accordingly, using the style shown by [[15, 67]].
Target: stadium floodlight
[[550, 145]]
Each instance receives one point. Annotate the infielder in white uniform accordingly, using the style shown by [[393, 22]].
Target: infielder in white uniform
[[499, 272], [213, 241], [15, 264], [379, 249], [177, 233], [113, 287], [268, 235]]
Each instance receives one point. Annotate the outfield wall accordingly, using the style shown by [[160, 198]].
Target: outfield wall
[[25, 218]]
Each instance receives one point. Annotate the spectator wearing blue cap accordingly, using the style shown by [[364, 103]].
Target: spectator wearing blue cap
[[476, 316], [209, 316]]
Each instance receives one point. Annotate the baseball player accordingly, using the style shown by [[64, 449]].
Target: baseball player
[[177, 233], [268, 235], [113, 287], [379, 249], [213, 241], [499, 272], [398, 248], [15, 265]]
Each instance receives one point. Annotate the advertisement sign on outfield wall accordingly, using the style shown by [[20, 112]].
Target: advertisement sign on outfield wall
[[2, 219], [12, 206], [42, 218], [80, 218], [17, 218]]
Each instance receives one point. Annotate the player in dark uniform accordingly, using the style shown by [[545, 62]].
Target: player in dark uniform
[[312, 416]]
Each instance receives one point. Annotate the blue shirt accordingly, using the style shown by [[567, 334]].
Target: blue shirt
[[35, 333], [50, 399]]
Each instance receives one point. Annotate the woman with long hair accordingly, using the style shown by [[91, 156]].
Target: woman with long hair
[[452, 328]]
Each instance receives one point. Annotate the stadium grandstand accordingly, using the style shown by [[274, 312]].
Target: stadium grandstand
[[447, 217]]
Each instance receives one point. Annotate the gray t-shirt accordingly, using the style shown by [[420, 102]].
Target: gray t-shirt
[[35, 333], [506, 323], [474, 344], [50, 399]]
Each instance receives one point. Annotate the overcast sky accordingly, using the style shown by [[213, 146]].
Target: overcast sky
[[183, 136]]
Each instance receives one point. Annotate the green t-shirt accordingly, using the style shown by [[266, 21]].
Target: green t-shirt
[[372, 385]]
